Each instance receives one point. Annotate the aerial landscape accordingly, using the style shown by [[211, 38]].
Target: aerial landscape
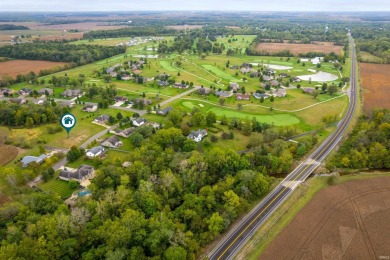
[[223, 130]]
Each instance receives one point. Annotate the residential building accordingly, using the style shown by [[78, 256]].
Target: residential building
[[121, 99], [164, 112], [82, 173], [46, 91], [240, 96], [111, 69], [179, 85], [102, 119], [124, 133], [203, 91], [139, 121], [224, 94], [145, 101], [6, 92], [162, 83], [126, 77], [25, 91], [19, 101], [275, 83], [296, 79], [279, 92], [308, 90], [267, 78], [197, 136], [90, 108], [65, 103], [29, 159], [259, 95], [234, 86], [95, 151], [72, 93], [113, 142]]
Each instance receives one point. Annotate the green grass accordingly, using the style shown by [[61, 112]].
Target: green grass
[[58, 187], [288, 211], [167, 65], [368, 57], [220, 73]]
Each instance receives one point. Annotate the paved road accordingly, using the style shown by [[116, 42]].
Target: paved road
[[166, 102], [230, 245]]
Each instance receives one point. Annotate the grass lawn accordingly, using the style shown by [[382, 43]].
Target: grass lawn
[[167, 65], [58, 187], [220, 73]]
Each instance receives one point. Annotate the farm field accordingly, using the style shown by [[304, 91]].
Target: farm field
[[7, 153], [368, 57], [297, 48], [345, 221], [376, 86], [14, 67]]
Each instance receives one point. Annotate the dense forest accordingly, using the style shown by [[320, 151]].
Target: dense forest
[[130, 32], [5, 27], [368, 146], [58, 51]]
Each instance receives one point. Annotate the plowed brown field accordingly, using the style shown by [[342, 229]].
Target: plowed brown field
[[347, 221], [376, 86], [297, 48], [14, 67]]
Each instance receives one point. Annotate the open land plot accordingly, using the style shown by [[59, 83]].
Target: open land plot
[[220, 73], [184, 27], [14, 67], [7, 153], [297, 48], [347, 221], [58, 187], [376, 86], [368, 57], [167, 65]]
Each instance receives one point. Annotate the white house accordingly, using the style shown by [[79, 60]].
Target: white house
[[95, 151], [197, 136], [139, 121], [90, 108]]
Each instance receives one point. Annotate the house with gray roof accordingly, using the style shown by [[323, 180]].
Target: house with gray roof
[[72, 93], [138, 121], [259, 95], [224, 93], [198, 135], [124, 133], [113, 142], [164, 112], [82, 173], [95, 151], [46, 91], [102, 119]]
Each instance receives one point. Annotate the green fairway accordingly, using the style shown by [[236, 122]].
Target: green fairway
[[58, 187], [219, 73], [167, 65]]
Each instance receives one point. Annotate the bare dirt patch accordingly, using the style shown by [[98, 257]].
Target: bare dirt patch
[[297, 48], [376, 86], [7, 153], [347, 221], [15, 67]]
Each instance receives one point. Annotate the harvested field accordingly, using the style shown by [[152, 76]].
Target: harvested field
[[376, 86], [15, 67], [347, 221], [296, 48], [7, 153]]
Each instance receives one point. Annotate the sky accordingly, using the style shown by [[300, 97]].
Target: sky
[[222, 5]]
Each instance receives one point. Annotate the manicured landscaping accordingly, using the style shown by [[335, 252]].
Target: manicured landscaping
[[219, 73], [59, 187]]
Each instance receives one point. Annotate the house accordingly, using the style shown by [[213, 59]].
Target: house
[[29, 159], [180, 85], [25, 91], [267, 78], [126, 77], [284, 75], [234, 86], [90, 108], [121, 99], [259, 95], [124, 133], [308, 90], [254, 74], [275, 83], [137, 72], [316, 60], [203, 91], [296, 79], [126, 164], [240, 96], [234, 67], [279, 92], [19, 101], [6, 92], [139, 121], [224, 94], [113, 142], [72, 93], [164, 112], [82, 173], [40, 102], [64, 103], [269, 71], [46, 91], [145, 101], [102, 119], [111, 69], [245, 70], [113, 74], [95, 152], [162, 83], [197, 136]]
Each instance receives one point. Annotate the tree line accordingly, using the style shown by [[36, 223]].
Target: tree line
[[130, 32], [9, 27], [61, 52]]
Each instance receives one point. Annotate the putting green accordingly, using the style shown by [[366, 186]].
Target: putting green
[[188, 104], [219, 73]]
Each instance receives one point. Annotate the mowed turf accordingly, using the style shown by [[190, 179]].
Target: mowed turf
[[276, 119], [166, 65], [219, 72], [58, 187]]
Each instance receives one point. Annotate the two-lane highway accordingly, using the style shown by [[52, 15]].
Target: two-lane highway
[[236, 238]]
